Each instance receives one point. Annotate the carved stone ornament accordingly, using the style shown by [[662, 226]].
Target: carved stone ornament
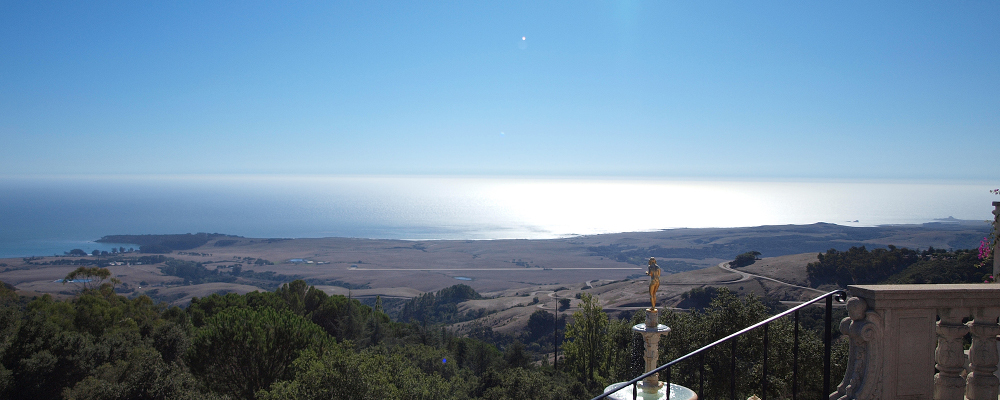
[[863, 378]]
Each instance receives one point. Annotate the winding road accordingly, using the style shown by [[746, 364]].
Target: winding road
[[745, 276]]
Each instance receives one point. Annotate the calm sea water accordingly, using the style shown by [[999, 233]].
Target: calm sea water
[[44, 216]]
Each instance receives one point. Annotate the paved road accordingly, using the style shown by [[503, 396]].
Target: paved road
[[745, 276]]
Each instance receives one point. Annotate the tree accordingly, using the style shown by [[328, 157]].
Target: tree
[[300, 297], [521, 383], [77, 252], [60, 343], [857, 265], [745, 259], [143, 375], [441, 306], [344, 318], [729, 313], [515, 356], [540, 325], [350, 375], [10, 323], [242, 350], [91, 278], [586, 345], [699, 297], [625, 348]]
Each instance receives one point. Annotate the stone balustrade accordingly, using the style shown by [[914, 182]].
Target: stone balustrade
[[900, 333]]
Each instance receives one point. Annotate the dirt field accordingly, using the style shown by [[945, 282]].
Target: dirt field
[[513, 272]]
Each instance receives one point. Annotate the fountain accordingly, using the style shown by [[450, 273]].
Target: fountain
[[651, 330]]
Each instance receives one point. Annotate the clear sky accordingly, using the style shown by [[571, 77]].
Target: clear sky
[[664, 89]]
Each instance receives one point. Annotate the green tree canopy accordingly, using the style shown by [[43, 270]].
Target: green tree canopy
[[90, 278], [586, 345], [745, 259], [242, 350]]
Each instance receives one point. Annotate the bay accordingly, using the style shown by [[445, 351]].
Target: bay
[[51, 215]]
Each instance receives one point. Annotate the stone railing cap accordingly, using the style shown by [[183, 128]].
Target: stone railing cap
[[929, 296]]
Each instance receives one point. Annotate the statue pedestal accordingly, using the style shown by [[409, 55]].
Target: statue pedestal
[[651, 388], [651, 331]]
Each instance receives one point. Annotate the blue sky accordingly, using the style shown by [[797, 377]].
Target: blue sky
[[665, 89]]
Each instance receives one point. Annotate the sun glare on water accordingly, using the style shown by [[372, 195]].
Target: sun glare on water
[[567, 207], [587, 207], [464, 208]]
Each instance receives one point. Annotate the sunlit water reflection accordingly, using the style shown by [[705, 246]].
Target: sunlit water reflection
[[44, 216]]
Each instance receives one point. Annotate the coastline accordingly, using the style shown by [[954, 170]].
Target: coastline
[[391, 267], [58, 247], [50, 216]]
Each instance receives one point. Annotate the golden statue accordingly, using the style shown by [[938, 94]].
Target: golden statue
[[654, 281]]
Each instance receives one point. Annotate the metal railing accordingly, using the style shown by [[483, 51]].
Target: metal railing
[[839, 295]]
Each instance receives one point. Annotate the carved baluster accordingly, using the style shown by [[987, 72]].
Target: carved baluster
[[949, 355], [982, 384]]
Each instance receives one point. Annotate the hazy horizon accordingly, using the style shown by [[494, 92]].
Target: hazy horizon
[[48, 214]]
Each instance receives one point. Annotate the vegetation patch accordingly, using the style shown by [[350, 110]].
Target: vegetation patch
[[338, 283], [164, 243], [441, 306]]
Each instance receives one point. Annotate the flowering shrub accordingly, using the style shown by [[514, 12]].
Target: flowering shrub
[[988, 243]]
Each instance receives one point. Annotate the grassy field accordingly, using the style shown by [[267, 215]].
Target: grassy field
[[512, 273]]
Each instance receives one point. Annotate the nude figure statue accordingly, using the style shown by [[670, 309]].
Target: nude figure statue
[[654, 281]]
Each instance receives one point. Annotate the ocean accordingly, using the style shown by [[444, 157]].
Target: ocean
[[46, 216]]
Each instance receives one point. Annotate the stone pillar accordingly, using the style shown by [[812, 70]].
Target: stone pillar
[[949, 355], [983, 357], [652, 388], [652, 341], [996, 252], [652, 318], [651, 331]]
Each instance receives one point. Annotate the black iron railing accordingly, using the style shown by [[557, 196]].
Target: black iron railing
[[839, 295]]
